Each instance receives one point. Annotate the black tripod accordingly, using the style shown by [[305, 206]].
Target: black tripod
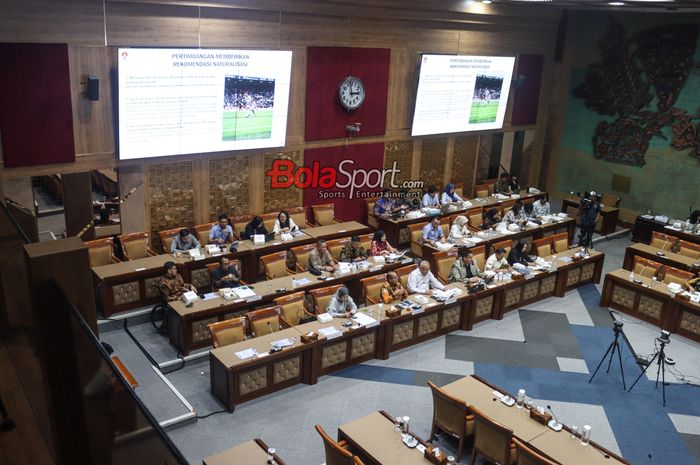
[[7, 423], [660, 358], [612, 348]]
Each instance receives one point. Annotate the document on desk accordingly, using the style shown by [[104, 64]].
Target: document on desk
[[302, 281], [246, 354], [365, 320], [244, 292], [330, 332], [281, 343], [211, 295]]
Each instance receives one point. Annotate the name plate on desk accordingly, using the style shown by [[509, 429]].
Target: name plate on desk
[[372, 269], [451, 300], [139, 269], [406, 260], [253, 298], [416, 311]]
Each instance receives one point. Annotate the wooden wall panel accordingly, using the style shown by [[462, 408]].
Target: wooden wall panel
[[281, 199], [402, 153], [130, 24], [400, 98], [299, 30], [93, 124], [464, 161], [229, 186], [170, 197], [432, 160], [239, 28]]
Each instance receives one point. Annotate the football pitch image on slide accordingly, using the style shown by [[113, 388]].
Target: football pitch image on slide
[[248, 103], [487, 97]]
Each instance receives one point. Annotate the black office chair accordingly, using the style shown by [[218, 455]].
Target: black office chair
[[159, 313]]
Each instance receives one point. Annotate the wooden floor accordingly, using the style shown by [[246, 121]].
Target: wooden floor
[[24, 445]]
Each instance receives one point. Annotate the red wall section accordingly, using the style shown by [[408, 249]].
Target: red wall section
[[365, 157], [326, 118], [36, 120], [526, 99]]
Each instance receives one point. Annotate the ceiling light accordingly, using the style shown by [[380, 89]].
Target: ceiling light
[[532, 1], [616, 3], [486, 1]]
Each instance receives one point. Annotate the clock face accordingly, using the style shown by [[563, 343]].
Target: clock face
[[351, 92]]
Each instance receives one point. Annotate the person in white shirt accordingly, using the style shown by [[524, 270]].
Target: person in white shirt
[[430, 200], [341, 304], [284, 223], [421, 280], [497, 261], [515, 214], [450, 196], [459, 229], [540, 208]]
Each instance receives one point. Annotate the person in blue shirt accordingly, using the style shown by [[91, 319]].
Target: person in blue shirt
[[450, 196], [183, 242], [221, 233], [385, 205], [430, 199], [432, 232]]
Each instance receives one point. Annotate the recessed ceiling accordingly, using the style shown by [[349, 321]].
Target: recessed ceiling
[[631, 5]]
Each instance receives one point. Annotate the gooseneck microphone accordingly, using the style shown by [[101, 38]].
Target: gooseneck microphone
[[270, 326], [555, 425]]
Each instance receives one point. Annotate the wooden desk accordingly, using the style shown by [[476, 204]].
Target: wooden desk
[[669, 258], [644, 227], [682, 234], [608, 215], [337, 230], [374, 439], [249, 453], [557, 445], [392, 227]]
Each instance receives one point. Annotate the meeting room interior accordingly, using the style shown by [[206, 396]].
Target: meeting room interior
[[379, 232]]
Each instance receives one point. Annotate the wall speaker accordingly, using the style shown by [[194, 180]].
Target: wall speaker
[[93, 88], [518, 81]]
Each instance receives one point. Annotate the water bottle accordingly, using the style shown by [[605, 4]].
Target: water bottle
[[631, 276], [586, 435], [520, 401], [294, 283], [451, 460]]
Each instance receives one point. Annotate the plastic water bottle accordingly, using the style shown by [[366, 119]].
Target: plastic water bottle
[[631, 276], [586, 435], [520, 401], [294, 283]]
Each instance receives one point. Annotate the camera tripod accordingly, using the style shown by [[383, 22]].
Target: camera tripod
[[612, 348], [660, 358]]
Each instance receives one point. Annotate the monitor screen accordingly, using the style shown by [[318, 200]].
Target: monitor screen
[[180, 101], [458, 93]]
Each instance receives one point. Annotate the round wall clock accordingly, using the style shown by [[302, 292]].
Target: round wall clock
[[351, 92]]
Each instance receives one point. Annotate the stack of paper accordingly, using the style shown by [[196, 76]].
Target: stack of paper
[[244, 292], [365, 320], [330, 332], [245, 354]]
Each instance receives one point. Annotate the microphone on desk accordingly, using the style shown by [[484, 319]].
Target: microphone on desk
[[270, 326], [554, 424], [650, 461]]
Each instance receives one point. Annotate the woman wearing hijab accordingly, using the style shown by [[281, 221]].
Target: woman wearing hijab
[[284, 223], [459, 229], [449, 196], [341, 304], [256, 226]]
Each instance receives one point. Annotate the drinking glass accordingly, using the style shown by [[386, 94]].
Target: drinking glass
[[574, 430], [521, 398], [586, 435], [398, 427], [451, 460], [270, 455]]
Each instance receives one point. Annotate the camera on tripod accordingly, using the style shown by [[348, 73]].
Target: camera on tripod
[[617, 326], [665, 337]]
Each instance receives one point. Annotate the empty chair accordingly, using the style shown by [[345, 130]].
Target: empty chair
[[663, 241], [372, 288], [265, 321], [335, 246], [451, 416], [324, 214], [560, 242], [481, 190], [293, 307], [492, 440], [528, 456], [403, 273], [610, 200], [275, 265], [269, 220], [475, 216], [366, 241], [301, 255], [202, 232], [336, 454], [101, 252], [674, 275], [238, 223], [322, 297], [298, 214], [135, 245], [416, 232], [642, 266], [166, 238], [443, 262], [459, 189], [227, 332], [479, 256], [371, 219], [689, 249], [543, 247]]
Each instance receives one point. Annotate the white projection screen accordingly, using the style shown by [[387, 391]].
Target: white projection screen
[[461, 93], [180, 101]]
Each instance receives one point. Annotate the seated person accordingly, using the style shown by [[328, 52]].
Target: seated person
[[284, 224], [502, 186], [430, 199], [459, 229], [225, 275], [540, 208], [515, 214], [432, 232], [406, 201], [320, 258], [379, 245], [392, 289], [221, 233], [385, 205], [464, 270], [171, 284], [341, 304], [519, 254], [513, 184], [491, 219], [256, 226], [693, 285], [353, 251], [497, 261], [449, 196], [421, 280], [529, 212], [694, 217], [183, 242]]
